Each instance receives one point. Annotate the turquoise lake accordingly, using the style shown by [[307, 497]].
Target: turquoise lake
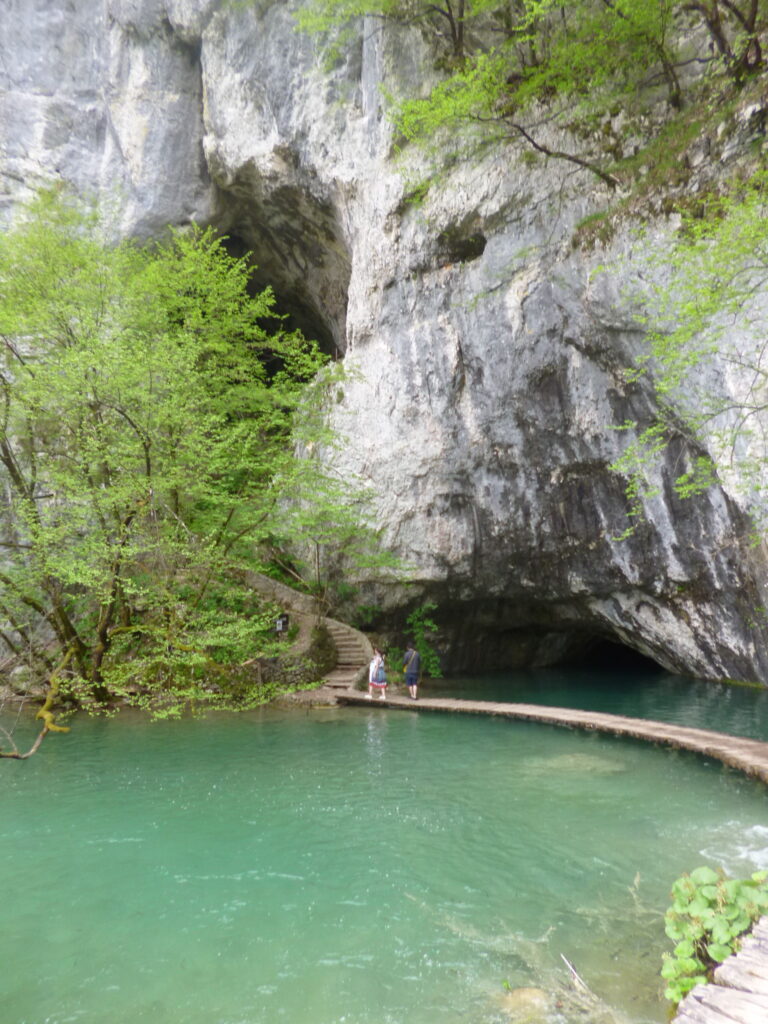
[[350, 866], [725, 707]]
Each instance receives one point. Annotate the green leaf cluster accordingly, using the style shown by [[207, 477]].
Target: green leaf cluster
[[150, 409], [518, 69], [708, 914], [423, 631], [576, 63], [707, 313]]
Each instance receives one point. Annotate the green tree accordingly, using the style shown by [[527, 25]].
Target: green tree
[[708, 352], [424, 631], [556, 67], [447, 20], [521, 68], [148, 409], [737, 31]]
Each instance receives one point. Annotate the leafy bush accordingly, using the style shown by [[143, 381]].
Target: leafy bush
[[709, 913], [423, 630]]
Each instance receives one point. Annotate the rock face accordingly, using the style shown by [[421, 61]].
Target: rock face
[[490, 361]]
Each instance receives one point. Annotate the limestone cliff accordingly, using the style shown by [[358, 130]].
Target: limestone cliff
[[489, 361]]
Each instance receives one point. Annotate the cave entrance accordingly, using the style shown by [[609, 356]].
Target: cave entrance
[[297, 310], [570, 668], [487, 637], [297, 246], [604, 654]]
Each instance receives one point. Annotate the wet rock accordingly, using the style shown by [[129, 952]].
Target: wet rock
[[21, 680], [525, 1005]]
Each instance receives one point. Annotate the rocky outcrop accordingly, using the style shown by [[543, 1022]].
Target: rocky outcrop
[[489, 361]]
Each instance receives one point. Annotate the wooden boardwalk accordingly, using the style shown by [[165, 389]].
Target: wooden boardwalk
[[740, 992], [748, 756]]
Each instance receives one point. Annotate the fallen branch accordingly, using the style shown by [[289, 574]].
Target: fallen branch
[[578, 981], [44, 713]]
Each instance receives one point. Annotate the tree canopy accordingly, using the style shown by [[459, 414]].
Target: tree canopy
[[708, 351], [525, 68], [150, 404]]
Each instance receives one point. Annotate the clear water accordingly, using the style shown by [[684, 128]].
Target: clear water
[[350, 866], [724, 707]]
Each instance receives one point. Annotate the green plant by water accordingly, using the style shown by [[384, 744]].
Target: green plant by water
[[423, 630], [709, 914]]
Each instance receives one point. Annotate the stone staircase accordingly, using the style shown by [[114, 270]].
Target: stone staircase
[[353, 647], [354, 651]]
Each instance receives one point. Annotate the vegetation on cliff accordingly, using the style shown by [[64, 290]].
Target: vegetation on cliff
[[548, 74], [706, 321], [150, 405], [626, 89]]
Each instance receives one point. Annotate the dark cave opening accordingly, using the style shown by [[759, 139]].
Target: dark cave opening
[[603, 654], [296, 310], [527, 649], [502, 636], [292, 230]]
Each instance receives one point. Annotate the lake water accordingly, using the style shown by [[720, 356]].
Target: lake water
[[350, 866], [724, 707]]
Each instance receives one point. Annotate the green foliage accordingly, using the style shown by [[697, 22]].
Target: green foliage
[[506, 59], [325, 15], [708, 313], [709, 913], [365, 615], [423, 630], [447, 19], [510, 67], [149, 408], [577, 62], [327, 520]]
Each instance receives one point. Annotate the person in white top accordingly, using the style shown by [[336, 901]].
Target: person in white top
[[377, 675]]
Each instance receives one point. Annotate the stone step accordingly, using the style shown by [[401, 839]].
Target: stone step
[[352, 654]]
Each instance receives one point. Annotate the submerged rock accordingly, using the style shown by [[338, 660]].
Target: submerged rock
[[578, 764], [525, 1005]]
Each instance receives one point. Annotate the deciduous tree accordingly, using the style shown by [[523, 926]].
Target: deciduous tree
[[524, 68], [148, 408], [708, 351]]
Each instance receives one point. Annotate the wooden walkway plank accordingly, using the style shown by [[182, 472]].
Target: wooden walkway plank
[[748, 756], [752, 979], [712, 1004]]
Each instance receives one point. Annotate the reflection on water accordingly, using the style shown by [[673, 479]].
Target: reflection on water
[[730, 708], [352, 867]]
